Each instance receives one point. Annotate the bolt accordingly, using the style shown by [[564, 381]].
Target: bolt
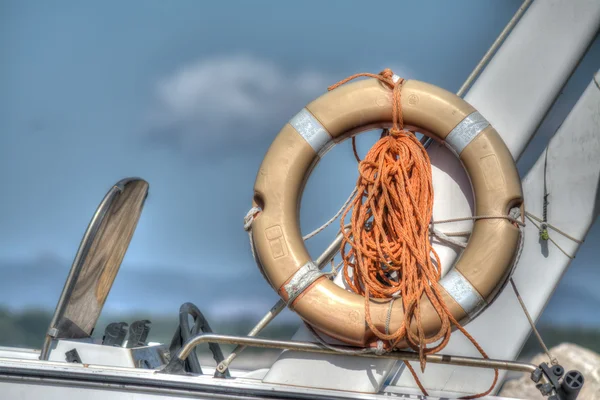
[[557, 370]]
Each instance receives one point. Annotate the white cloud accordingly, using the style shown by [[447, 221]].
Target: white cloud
[[234, 99]]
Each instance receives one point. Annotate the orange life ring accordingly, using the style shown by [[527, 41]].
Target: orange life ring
[[484, 265]]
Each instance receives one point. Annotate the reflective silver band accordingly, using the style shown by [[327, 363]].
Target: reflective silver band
[[395, 78], [302, 279], [466, 131], [461, 290], [312, 131]]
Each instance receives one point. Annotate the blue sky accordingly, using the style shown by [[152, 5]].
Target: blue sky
[[189, 95]]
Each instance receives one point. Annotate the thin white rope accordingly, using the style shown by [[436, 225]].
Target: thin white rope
[[477, 217], [515, 213], [249, 218], [336, 216], [554, 228], [553, 360], [532, 219], [446, 237], [442, 236], [514, 217], [379, 350], [335, 269]]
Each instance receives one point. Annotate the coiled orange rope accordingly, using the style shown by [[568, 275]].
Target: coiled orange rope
[[390, 255]]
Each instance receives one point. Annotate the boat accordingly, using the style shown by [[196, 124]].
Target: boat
[[538, 51]]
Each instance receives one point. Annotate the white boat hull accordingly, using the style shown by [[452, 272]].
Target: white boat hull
[[28, 379]]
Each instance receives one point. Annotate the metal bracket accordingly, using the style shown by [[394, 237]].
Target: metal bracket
[[72, 356], [568, 389]]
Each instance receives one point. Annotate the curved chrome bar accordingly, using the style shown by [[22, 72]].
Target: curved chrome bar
[[174, 364]]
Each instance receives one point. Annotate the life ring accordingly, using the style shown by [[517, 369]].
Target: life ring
[[485, 264]]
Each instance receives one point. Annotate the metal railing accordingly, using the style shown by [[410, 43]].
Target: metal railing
[[176, 363]]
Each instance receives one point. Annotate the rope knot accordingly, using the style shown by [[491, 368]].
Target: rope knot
[[250, 216], [398, 133], [395, 132], [380, 349], [387, 73]]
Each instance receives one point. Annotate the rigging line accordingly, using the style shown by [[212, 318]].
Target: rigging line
[[487, 57], [544, 223], [326, 224], [494, 47], [554, 228], [549, 238], [553, 360]]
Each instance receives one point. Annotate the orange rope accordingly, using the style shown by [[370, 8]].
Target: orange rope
[[390, 253]]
